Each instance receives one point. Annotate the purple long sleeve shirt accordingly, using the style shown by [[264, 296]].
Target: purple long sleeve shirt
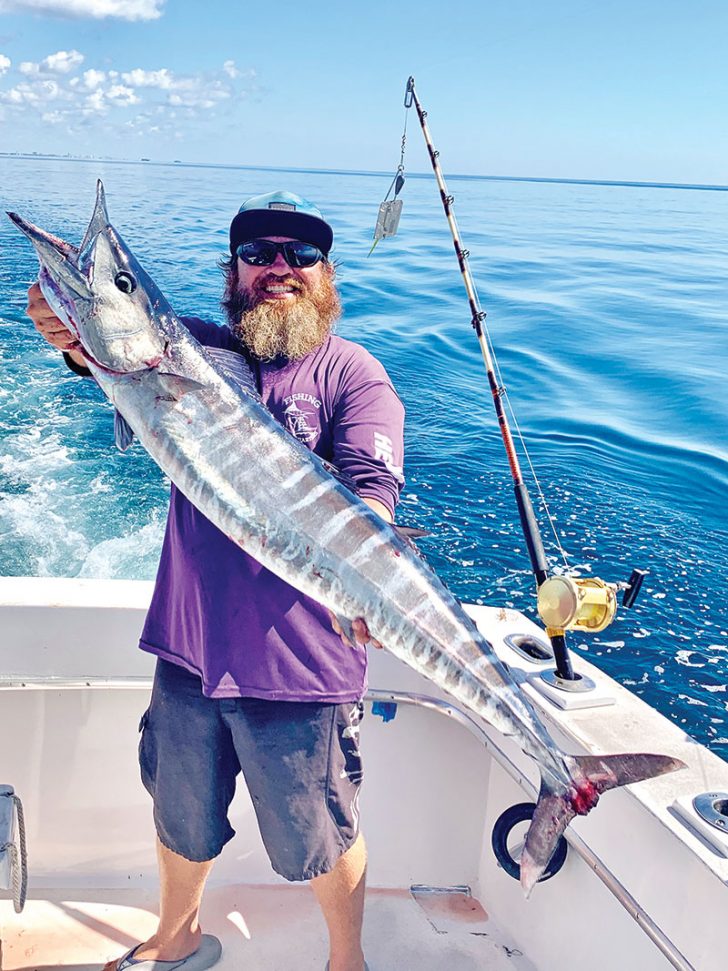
[[215, 610]]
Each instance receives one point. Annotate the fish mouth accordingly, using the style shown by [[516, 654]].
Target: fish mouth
[[56, 255], [43, 240]]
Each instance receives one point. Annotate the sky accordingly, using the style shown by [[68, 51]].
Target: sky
[[630, 90]]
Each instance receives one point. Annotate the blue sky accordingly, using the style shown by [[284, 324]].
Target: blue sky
[[627, 90]]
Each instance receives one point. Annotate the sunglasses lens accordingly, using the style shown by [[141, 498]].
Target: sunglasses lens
[[258, 252], [302, 254], [263, 252]]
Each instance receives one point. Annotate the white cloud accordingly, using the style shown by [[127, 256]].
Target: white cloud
[[62, 62], [12, 97], [202, 98], [183, 91], [122, 96], [92, 78], [58, 89], [163, 78], [33, 93], [48, 90], [94, 103], [98, 9]]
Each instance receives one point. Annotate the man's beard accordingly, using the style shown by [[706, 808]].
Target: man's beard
[[271, 328]]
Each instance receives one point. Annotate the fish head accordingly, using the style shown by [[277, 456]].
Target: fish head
[[125, 330], [102, 294]]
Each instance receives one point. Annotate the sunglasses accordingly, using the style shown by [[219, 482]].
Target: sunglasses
[[263, 252]]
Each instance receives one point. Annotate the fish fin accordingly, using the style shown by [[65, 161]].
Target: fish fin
[[235, 368], [123, 432], [99, 219], [176, 386], [556, 807], [410, 532], [552, 815]]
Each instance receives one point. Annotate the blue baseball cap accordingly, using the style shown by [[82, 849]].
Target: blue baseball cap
[[280, 214]]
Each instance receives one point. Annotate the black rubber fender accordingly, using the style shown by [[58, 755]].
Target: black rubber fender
[[499, 840]]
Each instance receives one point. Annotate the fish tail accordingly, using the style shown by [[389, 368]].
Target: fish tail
[[591, 775]]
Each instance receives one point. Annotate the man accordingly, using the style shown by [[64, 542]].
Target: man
[[251, 674]]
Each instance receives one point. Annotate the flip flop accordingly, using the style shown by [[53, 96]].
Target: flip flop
[[207, 954]]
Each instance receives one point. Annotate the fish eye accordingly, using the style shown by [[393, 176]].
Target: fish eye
[[125, 282]]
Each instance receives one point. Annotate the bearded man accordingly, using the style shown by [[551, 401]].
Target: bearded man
[[251, 675]]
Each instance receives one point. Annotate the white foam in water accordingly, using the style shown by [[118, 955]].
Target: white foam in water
[[57, 549], [135, 555], [33, 453]]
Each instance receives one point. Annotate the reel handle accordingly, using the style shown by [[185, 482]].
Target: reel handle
[[632, 588]]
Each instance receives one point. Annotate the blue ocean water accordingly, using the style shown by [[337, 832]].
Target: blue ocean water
[[607, 309]]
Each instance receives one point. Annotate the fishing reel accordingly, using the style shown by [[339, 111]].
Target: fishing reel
[[584, 603]]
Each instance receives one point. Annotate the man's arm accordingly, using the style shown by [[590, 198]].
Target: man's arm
[[379, 508]]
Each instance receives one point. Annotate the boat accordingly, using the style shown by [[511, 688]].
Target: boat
[[642, 888]]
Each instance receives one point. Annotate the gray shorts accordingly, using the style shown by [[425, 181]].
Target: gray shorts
[[300, 761]]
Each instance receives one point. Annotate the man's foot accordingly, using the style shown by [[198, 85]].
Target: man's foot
[[150, 956]]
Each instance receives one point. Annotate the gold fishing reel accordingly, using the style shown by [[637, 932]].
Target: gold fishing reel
[[577, 603]]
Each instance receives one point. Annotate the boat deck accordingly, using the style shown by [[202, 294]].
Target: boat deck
[[261, 927]]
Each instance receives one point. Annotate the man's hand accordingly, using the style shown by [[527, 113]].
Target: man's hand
[[50, 327], [360, 631]]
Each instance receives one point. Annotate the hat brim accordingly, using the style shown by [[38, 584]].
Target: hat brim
[[277, 222]]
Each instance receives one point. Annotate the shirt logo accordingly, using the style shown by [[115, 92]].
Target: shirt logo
[[384, 451], [301, 416]]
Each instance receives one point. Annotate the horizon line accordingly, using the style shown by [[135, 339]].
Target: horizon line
[[558, 180]]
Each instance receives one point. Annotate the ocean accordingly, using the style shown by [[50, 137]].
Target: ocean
[[607, 308]]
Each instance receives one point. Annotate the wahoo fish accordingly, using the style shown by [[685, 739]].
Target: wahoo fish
[[198, 414]]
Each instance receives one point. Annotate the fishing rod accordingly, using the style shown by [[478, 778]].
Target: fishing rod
[[565, 601]]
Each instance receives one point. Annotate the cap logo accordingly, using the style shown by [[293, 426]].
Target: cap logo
[[282, 205]]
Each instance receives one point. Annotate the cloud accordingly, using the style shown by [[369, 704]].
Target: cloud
[[162, 78], [109, 102], [92, 78], [5, 63], [121, 95], [62, 62], [98, 9], [183, 91], [95, 104]]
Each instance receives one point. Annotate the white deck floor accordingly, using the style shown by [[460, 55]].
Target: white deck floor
[[265, 928]]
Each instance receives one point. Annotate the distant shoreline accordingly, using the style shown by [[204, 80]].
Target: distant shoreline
[[374, 174]]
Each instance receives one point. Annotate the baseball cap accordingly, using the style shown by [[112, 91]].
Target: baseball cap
[[280, 214]]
